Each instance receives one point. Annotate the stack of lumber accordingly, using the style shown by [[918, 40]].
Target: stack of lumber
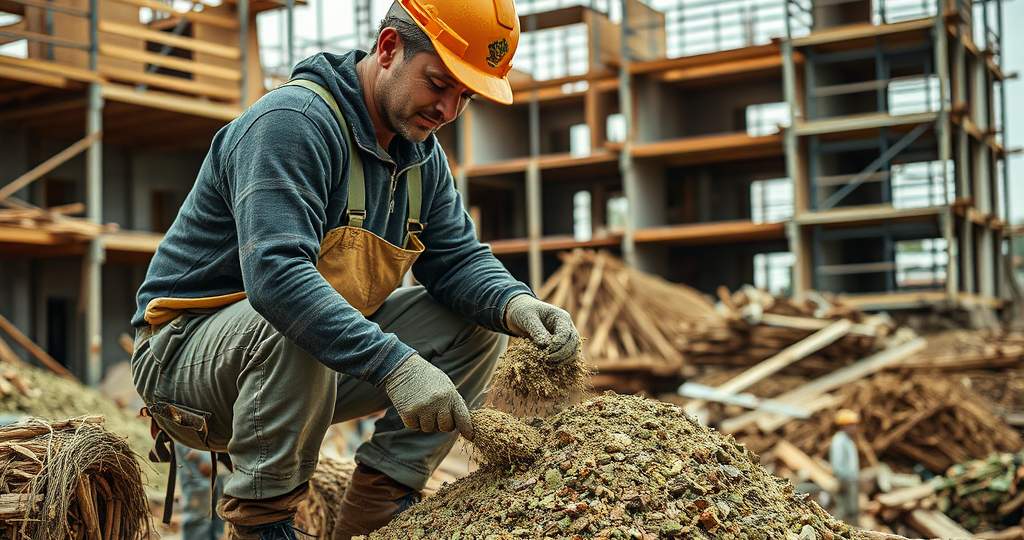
[[629, 320], [759, 325], [958, 350], [70, 480], [908, 419], [976, 496], [56, 220]]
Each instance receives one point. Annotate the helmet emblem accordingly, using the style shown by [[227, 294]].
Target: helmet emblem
[[498, 50]]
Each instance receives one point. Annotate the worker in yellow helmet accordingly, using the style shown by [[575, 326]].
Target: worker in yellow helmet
[[270, 309], [846, 466]]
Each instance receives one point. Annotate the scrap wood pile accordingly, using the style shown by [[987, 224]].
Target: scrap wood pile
[[978, 496], [55, 220], [905, 420], [957, 350], [758, 325], [69, 480], [629, 319]]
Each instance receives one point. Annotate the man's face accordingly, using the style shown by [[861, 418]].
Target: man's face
[[419, 95]]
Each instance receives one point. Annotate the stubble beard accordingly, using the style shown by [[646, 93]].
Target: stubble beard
[[391, 98]]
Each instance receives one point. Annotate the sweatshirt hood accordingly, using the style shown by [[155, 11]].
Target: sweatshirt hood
[[337, 73]]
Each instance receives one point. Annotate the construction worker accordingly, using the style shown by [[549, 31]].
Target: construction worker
[[842, 454], [270, 309]]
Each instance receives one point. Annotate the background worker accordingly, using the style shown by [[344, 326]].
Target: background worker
[[842, 454], [198, 520], [269, 310]]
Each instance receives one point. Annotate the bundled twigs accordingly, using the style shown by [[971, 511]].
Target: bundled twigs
[[69, 480], [317, 514]]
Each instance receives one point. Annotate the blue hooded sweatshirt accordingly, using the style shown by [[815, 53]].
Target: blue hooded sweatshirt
[[275, 181]]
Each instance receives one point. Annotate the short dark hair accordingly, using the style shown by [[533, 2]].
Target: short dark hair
[[414, 40]]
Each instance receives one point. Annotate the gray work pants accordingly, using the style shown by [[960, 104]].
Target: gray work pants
[[268, 403]]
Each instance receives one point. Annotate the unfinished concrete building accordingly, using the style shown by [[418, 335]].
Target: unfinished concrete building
[[849, 146]]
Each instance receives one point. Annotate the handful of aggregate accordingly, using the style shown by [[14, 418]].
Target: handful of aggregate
[[619, 466]]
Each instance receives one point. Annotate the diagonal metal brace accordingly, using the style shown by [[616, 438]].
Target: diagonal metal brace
[[906, 141]]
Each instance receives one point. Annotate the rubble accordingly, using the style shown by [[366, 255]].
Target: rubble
[[620, 466]]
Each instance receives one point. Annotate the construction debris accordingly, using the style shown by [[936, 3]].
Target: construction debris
[[906, 420], [756, 326], [53, 220], [629, 319], [70, 480], [977, 497], [622, 467]]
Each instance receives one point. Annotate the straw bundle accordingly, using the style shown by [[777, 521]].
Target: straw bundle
[[69, 480]]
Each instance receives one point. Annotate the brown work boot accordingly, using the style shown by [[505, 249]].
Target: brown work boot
[[371, 501]]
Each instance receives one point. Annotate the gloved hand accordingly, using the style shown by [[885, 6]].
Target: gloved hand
[[549, 327], [426, 398]]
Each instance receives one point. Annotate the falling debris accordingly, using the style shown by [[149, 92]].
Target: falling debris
[[526, 385]]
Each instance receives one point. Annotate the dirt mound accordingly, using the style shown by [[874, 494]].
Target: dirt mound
[[620, 466]]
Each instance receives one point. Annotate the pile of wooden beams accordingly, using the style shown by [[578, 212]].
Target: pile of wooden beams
[[958, 350], [56, 220], [629, 320], [70, 480], [759, 325]]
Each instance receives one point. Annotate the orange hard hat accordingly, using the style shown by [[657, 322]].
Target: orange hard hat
[[847, 416], [475, 39]]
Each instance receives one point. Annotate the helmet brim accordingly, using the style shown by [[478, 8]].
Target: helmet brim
[[493, 88]]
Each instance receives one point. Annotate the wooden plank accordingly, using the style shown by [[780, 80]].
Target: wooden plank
[[173, 62], [8, 355], [797, 460], [34, 350], [185, 86], [31, 76], [53, 6], [799, 350], [135, 242], [164, 38], [739, 67], [707, 233], [749, 401], [42, 38], [900, 497], [935, 524], [77, 74], [846, 33], [48, 165], [813, 324], [194, 16], [868, 366], [860, 121], [170, 102]]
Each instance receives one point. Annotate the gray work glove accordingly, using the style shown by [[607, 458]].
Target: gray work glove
[[426, 398], [549, 327]]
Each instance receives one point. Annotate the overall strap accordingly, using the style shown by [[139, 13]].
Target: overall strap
[[356, 181], [414, 178]]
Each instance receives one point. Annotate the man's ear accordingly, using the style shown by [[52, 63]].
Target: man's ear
[[389, 47]]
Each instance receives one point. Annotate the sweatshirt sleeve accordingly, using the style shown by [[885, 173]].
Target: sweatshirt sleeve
[[278, 180], [455, 267]]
